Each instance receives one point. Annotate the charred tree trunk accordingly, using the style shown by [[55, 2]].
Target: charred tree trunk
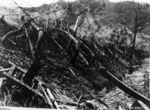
[[135, 31], [36, 64], [33, 70], [133, 46]]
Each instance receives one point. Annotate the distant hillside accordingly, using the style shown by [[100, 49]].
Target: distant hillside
[[101, 11]]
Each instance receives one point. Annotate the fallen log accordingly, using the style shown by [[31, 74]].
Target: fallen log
[[143, 105], [123, 86]]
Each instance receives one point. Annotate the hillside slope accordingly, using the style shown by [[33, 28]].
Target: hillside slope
[[71, 67]]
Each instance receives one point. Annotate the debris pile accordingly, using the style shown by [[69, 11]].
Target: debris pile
[[61, 70]]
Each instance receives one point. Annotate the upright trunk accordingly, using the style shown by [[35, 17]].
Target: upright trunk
[[135, 32], [33, 70], [133, 46], [134, 40], [36, 64]]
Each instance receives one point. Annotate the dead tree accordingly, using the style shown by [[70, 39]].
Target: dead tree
[[36, 64], [35, 50], [136, 18]]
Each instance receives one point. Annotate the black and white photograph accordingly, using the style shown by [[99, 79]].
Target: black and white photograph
[[74, 54]]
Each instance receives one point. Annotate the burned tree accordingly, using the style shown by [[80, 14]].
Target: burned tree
[[86, 57], [36, 64], [139, 18]]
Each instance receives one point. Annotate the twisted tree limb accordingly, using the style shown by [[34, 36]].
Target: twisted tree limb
[[14, 32], [31, 21]]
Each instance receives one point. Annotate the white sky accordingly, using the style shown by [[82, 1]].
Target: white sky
[[29, 3], [141, 1]]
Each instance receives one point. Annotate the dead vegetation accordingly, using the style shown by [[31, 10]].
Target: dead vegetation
[[54, 65]]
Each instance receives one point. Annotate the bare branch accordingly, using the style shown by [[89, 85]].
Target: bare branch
[[77, 23], [71, 37], [25, 12], [30, 44], [11, 33]]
